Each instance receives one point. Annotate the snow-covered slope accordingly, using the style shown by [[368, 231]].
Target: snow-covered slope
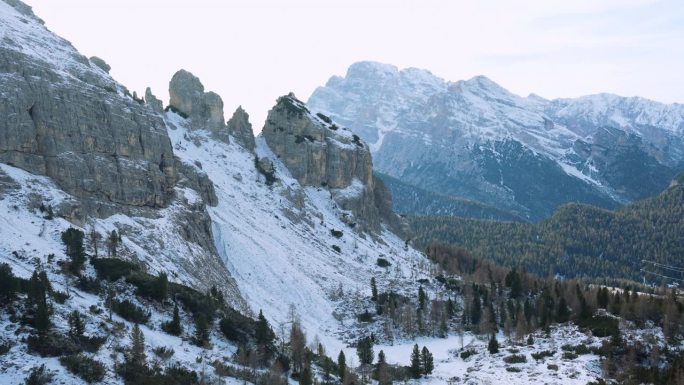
[[475, 139], [277, 242]]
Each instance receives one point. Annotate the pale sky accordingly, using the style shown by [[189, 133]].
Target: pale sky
[[250, 52]]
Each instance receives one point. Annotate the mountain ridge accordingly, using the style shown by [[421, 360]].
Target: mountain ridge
[[415, 123]]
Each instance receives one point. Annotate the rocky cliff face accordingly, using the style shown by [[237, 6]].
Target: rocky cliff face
[[204, 109], [64, 117], [240, 129], [523, 155], [318, 152]]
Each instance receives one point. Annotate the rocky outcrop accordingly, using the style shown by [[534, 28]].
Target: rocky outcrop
[[64, 117], [240, 129], [203, 109], [100, 63], [317, 152], [68, 120], [152, 101]]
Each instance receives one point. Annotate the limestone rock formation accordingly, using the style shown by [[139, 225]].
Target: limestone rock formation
[[152, 101], [240, 129], [66, 119], [317, 152], [204, 109]]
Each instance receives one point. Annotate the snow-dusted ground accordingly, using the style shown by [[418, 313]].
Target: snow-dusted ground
[[26, 240], [277, 242], [485, 368]]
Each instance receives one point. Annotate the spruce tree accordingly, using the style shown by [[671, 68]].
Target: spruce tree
[[263, 332], [382, 360], [41, 320], [73, 240], [427, 361], [493, 345], [374, 290], [415, 368], [364, 349], [160, 287], [382, 371], [8, 284], [94, 237], [264, 338], [201, 330], [136, 353], [113, 243], [341, 365], [174, 326], [475, 310], [422, 298], [76, 325]]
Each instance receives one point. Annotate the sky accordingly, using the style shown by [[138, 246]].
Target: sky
[[252, 51]]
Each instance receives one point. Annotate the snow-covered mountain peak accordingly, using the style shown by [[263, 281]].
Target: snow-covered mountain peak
[[369, 69], [414, 119]]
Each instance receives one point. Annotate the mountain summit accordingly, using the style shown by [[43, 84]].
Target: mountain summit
[[474, 139]]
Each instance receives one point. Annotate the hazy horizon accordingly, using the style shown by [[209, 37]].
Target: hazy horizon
[[251, 52]]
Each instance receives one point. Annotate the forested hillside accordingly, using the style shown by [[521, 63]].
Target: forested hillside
[[578, 240]]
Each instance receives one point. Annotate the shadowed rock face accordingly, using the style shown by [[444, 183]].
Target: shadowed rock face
[[204, 109], [240, 129], [65, 118], [317, 152]]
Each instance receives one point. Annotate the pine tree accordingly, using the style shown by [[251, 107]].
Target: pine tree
[[382, 373], [201, 330], [76, 325], [450, 308], [94, 237], [562, 313], [305, 377], [174, 326], [73, 240], [263, 332], [136, 353], [160, 287], [427, 361], [8, 284], [422, 298], [364, 349], [374, 290], [493, 346], [415, 368], [530, 340], [341, 365], [113, 243], [38, 287], [42, 317], [382, 360], [264, 338], [475, 310]]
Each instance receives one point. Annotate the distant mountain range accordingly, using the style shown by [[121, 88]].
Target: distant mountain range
[[523, 156]]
